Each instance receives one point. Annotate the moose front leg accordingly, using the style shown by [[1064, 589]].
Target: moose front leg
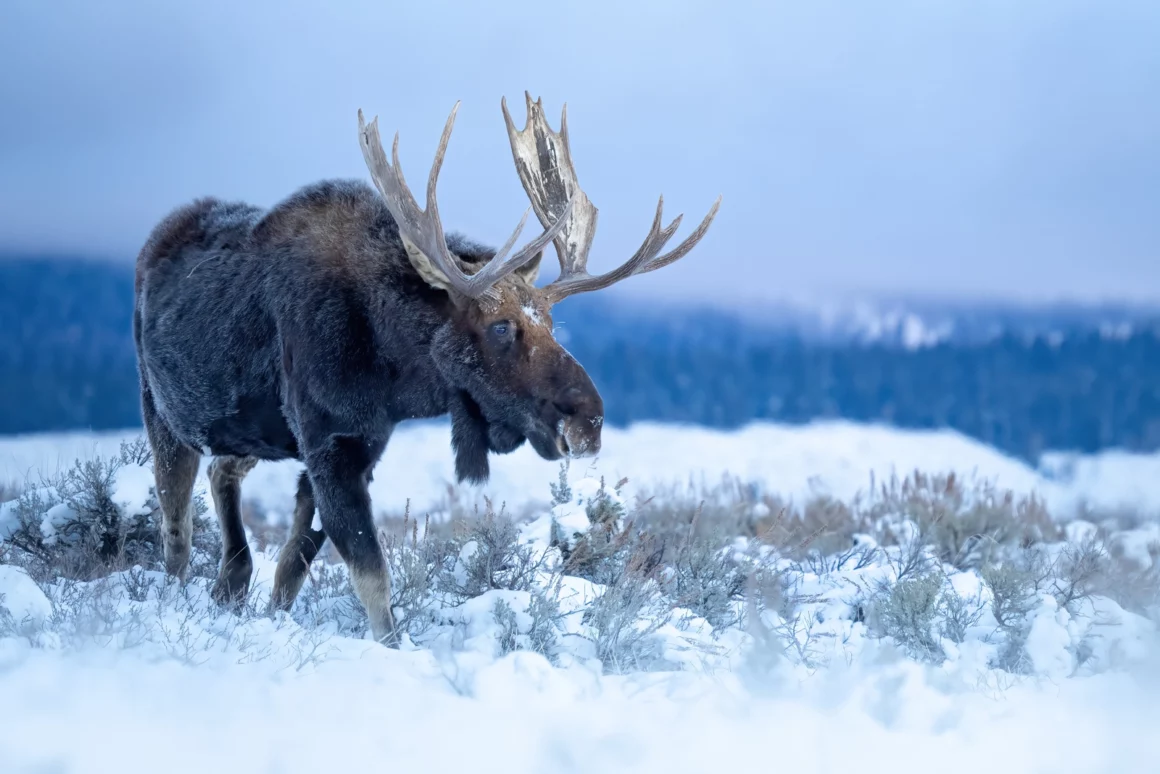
[[339, 471]]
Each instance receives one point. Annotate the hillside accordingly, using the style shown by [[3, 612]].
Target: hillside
[[1024, 381]]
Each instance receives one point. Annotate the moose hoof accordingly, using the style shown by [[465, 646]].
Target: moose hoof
[[233, 584]]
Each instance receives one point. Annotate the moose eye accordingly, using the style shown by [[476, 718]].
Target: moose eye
[[501, 330]]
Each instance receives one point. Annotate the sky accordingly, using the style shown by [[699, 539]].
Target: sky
[[981, 148]]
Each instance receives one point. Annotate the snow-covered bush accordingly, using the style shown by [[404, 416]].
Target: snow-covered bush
[[418, 566], [490, 555], [589, 531], [98, 516], [921, 613], [965, 526], [708, 579], [626, 616], [907, 611], [536, 628], [939, 569]]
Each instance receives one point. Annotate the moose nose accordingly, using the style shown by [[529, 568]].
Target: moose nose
[[569, 401], [583, 413]]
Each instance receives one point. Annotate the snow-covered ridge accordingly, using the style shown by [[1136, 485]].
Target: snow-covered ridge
[[794, 461], [914, 324]]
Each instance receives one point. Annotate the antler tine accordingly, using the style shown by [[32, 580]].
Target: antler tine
[[497, 267], [419, 230], [644, 260], [423, 230], [684, 247], [544, 164]]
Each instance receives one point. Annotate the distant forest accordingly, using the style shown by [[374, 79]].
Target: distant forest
[[67, 363]]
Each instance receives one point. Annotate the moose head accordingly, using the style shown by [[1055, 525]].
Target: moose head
[[509, 377]]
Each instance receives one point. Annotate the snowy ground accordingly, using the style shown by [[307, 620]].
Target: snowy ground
[[794, 461], [159, 679]]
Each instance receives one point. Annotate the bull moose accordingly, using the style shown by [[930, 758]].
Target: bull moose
[[311, 329]]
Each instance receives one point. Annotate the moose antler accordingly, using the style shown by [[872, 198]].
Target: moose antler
[[422, 230], [544, 164]]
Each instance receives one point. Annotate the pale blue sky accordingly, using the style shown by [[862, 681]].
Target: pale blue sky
[[955, 147]]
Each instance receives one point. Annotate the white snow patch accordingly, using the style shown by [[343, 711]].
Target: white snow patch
[[1048, 641], [1139, 545], [1110, 480], [21, 598], [533, 315], [1080, 531], [9, 519], [55, 520], [133, 489]]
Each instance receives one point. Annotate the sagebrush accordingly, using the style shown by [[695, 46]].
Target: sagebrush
[[694, 560]]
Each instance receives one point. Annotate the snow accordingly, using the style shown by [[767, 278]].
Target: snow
[[9, 522], [132, 487], [1141, 545], [569, 519], [1049, 642], [55, 519], [841, 458], [533, 315], [21, 598], [368, 708], [179, 682], [1110, 480]]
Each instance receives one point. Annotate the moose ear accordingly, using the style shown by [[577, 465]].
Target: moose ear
[[530, 271], [430, 273]]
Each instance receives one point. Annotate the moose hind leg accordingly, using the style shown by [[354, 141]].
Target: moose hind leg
[[175, 468], [237, 567], [339, 473], [300, 550]]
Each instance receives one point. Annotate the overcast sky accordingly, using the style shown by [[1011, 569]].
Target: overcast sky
[[961, 147]]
